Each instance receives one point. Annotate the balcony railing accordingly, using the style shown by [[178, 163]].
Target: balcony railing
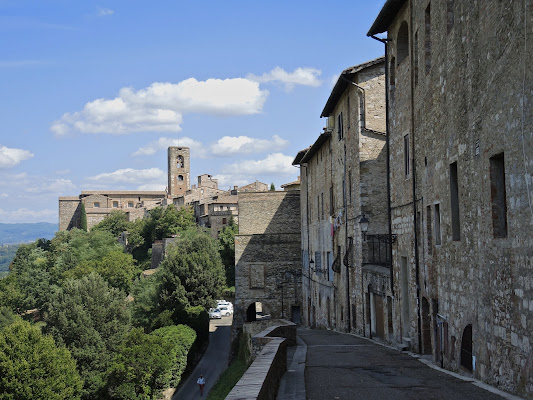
[[376, 249]]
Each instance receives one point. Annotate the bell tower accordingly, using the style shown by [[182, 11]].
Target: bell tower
[[178, 171]]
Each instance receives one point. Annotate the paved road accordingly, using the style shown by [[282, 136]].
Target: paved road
[[341, 366], [213, 362]]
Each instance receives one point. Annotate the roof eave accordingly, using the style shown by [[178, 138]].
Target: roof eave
[[385, 17]]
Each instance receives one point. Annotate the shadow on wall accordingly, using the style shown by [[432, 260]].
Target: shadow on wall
[[268, 257]]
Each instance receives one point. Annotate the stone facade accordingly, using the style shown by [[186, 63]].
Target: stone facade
[[460, 122], [267, 257], [99, 203], [343, 177], [179, 167]]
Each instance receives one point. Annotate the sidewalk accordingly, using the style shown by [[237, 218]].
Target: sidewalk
[[332, 365]]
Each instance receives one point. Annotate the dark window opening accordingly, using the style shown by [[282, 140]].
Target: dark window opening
[[224, 220], [406, 155], [437, 225], [454, 200], [402, 47], [428, 37], [392, 70], [180, 178], [331, 200], [498, 196], [450, 15], [340, 126]]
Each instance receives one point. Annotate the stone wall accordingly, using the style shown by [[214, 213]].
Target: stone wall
[[267, 255], [460, 101], [343, 176]]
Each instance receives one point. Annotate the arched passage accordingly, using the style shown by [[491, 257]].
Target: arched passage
[[466, 348], [257, 311], [426, 327]]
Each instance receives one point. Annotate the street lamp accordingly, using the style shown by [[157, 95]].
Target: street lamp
[[363, 224]]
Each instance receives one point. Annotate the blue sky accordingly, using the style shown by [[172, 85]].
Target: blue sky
[[94, 92]]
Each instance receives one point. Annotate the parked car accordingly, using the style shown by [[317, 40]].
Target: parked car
[[214, 313], [224, 303], [225, 310]]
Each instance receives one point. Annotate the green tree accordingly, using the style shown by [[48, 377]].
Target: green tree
[[140, 368], [226, 248], [83, 218], [145, 308], [115, 223], [272, 187], [192, 274], [33, 367], [91, 319]]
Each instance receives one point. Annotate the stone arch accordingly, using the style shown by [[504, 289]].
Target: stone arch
[[402, 42], [466, 348], [257, 311]]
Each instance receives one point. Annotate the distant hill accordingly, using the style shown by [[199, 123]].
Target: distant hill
[[23, 233]]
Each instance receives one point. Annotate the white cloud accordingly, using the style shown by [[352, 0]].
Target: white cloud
[[102, 12], [160, 107], [58, 186], [130, 176], [273, 164], [300, 76], [197, 148], [152, 187], [4, 195], [9, 157], [228, 146], [28, 215], [227, 181]]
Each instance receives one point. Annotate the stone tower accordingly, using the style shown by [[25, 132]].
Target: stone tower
[[178, 171]]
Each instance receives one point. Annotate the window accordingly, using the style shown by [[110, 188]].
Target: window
[[454, 200], [96, 204], [322, 203], [180, 163], [437, 225], [428, 228], [130, 204], [406, 163], [450, 15], [428, 37], [224, 221], [402, 48], [115, 204], [180, 178], [498, 196], [340, 127], [318, 262], [318, 207]]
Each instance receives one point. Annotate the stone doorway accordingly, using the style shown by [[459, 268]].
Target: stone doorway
[[466, 349]]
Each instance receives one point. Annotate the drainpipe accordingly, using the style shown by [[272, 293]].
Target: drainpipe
[[387, 146], [413, 163]]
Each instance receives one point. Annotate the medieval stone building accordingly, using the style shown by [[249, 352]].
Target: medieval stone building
[[460, 119], [267, 257], [346, 272], [99, 203]]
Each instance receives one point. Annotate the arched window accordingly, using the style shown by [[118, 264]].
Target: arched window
[[180, 162], [402, 40], [180, 178]]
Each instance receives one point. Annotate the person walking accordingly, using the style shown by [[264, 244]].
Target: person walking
[[201, 384]]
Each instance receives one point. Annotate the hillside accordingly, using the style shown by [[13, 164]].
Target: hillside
[[23, 233]]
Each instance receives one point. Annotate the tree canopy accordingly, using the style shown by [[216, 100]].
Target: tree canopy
[[32, 366], [192, 274], [91, 319], [226, 248]]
